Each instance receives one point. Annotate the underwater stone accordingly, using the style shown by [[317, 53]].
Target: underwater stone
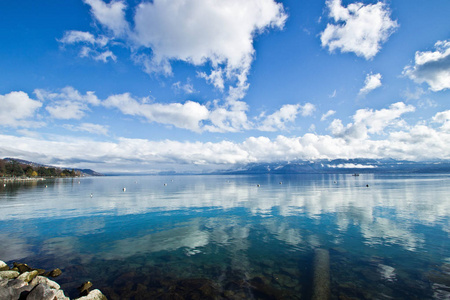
[[321, 280], [22, 267]]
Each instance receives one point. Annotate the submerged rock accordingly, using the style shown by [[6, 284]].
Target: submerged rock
[[53, 273], [22, 267], [84, 288]]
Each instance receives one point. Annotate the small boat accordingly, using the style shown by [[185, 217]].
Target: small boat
[[356, 174]]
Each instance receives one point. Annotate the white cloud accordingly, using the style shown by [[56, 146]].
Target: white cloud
[[359, 28], [111, 15], [187, 116], [186, 88], [432, 67], [307, 109], [104, 56], [89, 127], [417, 142], [75, 36], [68, 103], [327, 114], [372, 82], [17, 109], [277, 121], [199, 32], [368, 121], [67, 110]]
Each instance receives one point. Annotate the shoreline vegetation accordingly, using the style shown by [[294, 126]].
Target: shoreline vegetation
[[19, 170], [24, 282]]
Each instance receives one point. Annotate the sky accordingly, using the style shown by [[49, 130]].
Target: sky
[[199, 85]]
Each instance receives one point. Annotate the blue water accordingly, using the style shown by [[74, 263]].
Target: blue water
[[223, 237]]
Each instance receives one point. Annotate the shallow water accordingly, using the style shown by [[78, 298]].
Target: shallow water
[[213, 237]]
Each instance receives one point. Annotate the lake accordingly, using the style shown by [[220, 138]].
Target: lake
[[235, 237]]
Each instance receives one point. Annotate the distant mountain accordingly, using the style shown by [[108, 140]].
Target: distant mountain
[[85, 172], [343, 166]]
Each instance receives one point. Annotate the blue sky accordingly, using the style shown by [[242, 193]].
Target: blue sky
[[144, 86]]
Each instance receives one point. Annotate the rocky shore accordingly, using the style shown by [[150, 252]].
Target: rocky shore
[[22, 282]]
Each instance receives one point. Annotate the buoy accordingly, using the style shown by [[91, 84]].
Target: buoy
[[124, 189], [281, 182], [165, 184], [46, 186], [258, 185], [367, 185], [91, 195]]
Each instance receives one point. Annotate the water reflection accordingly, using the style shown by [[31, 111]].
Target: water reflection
[[387, 232]]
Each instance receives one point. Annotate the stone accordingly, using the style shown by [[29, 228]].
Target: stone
[[28, 276], [3, 266], [9, 274], [41, 279], [84, 288], [60, 295], [93, 295], [42, 292], [53, 273], [22, 267], [16, 283]]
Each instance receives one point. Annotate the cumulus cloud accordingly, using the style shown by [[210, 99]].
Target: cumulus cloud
[[358, 28], [200, 32], [368, 121], [278, 120], [188, 115], [432, 67], [68, 103], [416, 142], [372, 82], [327, 114], [111, 15], [18, 110]]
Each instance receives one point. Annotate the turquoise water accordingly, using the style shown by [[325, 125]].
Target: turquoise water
[[223, 237]]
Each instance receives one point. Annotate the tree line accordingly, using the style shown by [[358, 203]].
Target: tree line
[[16, 169]]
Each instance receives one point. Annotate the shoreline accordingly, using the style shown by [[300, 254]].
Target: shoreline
[[14, 179]]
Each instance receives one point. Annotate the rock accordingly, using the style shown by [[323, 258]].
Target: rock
[[9, 274], [28, 276], [84, 288], [42, 292], [93, 295], [60, 295], [40, 271], [3, 266], [15, 289], [53, 273], [41, 279], [16, 283], [22, 267]]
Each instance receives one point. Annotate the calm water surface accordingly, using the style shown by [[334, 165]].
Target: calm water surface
[[223, 237]]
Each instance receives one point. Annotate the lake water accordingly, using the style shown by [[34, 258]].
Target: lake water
[[225, 237]]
